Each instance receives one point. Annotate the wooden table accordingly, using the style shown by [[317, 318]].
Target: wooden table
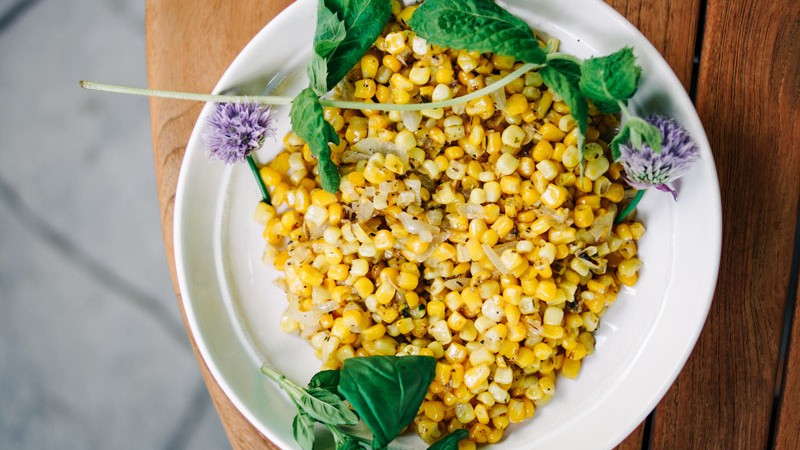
[[740, 62]]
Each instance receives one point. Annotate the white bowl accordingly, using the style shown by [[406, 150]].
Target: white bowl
[[233, 308]]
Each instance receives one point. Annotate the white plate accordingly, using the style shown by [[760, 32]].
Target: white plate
[[643, 341]]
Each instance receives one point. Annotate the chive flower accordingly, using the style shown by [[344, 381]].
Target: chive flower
[[645, 168], [236, 129]]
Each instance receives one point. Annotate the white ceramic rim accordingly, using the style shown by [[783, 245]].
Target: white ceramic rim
[[647, 378]]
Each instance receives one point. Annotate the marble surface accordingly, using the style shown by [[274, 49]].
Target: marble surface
[[93, 354]]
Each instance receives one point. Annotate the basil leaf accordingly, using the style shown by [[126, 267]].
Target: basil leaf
[[309, 123], [317, 71], [450, 442], [326, 379], [327, 407], [476, 25], [563, 77], [303, 430], [611, 79], [330, 31], [386, 391], [363, 21]]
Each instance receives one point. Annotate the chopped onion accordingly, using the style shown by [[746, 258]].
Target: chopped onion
[[457, 284], [494, 258], [411, 120]]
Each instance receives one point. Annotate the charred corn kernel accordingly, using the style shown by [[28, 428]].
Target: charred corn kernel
[[513, 136], [554, 196], [363, 286]]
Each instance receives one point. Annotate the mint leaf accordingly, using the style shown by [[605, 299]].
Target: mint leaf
[[450, 442], [386, 391], [643, 130], [563, 77], [330, 31], [476, 25], [309, 123], [611, 79], [363, 21], [622, 137]]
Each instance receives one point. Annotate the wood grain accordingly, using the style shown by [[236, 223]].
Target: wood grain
[[748, 96], [189, 45], [787, 436]]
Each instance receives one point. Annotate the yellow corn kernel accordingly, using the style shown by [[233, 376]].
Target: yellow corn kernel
[[554, 196], [310, 275], [525, 357], [456, 353], [476, 376], [546, 290], [363, 287], [615, 193], [436, 308], [364, 88], [629, 267], [502, 226], [417, 245], [412, 299], [552, 331], [570, 368]]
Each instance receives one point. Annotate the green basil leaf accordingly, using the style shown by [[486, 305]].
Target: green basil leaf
[[310, 124], [317, 73], [562, 76], [330, 31], [303, 430], [476, 25], [450, 442], [386, 391], [327, 407], [609, 80], [326, 379], [363, 22]]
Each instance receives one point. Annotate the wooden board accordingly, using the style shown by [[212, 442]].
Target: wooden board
[[748, 95]]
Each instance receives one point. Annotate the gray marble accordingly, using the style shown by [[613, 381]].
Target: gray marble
[[93, 354]]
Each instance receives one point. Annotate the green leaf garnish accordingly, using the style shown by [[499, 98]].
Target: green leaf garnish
[[386, 391], [330, 31], [450, 442], [303, 430], [563, 76], [636, 130], [310, 124], [609, 80], [326, 379], [363, 21], [476, 25]]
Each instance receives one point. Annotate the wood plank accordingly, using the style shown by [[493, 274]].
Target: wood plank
[[188, 48], [748, 96], [788, 431], [671, 27]]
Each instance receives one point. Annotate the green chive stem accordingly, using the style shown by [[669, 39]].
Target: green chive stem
[[275, 100], [630, 207], [118, 89], [254, 168]]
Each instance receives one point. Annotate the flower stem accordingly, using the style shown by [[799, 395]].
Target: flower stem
[[254, 168], [274, 100], [630, 207]]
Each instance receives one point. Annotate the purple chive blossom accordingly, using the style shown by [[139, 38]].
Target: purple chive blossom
[[236, 129], [645, 168]]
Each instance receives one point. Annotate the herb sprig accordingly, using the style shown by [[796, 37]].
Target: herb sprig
[[385, 391]]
